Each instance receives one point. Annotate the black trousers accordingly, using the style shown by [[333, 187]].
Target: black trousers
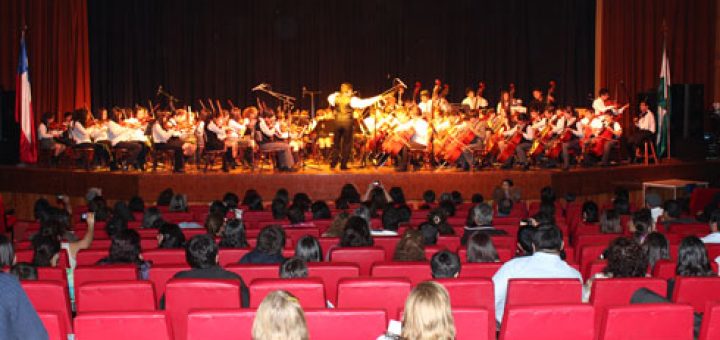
[[636, 139], [174, 144], [134, 150], [101, 152], [342, 142]]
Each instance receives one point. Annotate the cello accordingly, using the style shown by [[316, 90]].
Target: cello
[[512, 142]]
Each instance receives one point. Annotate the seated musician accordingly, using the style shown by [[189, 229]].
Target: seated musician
[[181, 121], [425, 104], [267, 139], [569, 130], [526, 135], [216, 139], [120, 137], [250, 117], [81, 136], [47, 136], [324, 127], [419, 140], [606, 133], [235, 130], [166, 139], [99, 132], [472, 101], [480, 130], [645, 124]]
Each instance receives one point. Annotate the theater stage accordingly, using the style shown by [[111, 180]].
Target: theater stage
[[325, 184]]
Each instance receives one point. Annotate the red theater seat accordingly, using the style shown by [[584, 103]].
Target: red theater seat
[[27, 256], [346, 324], [482, 270], [647, 321], [388, 243], [251, 272], [364, 257], [470, 324], [416, 272], [231, 255], [710, 328], [504, 254], [388, 294], [686, 229], [588, 254], [56, 329], [696, 291], [594, 239], [165, 256], [664, 269], [331, 273], [524, 292], [450, 243], [472, 293], [309, 291], [52, 274], [115, 272], [551, 322], [122, 326], [327, 243], [235, 324], [617, 292], [115, 296], [294, 234], [183, 295], [160, 275], [432, 250], [90, 257], [50, 296]]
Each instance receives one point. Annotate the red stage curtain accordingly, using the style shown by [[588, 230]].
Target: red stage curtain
[[632, 42], [57, 40]]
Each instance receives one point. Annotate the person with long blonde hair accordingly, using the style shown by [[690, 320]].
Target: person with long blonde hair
[[427, 314], [279, 317]]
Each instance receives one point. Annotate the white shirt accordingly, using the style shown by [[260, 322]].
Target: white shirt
[[425, 107], [237, 128], [528, 135], [475, 102], [647, 122], [421, 127], [712, 238], [80, 134], [538, 266], [599, 107], [219, 132], [117, 133], [355, 102], [43, 132], [159, 134]]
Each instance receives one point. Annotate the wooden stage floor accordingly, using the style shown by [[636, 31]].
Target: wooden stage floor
[[325, 184]]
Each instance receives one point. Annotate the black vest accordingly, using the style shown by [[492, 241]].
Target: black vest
[[343, 111]]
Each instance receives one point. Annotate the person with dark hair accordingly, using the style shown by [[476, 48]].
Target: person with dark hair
[[625, 258], [548, 208], [293, 268], [356, 233], [397, 195], [48, 242], [378, 200], [308, 248], [438, 218], [98, 205], [270, 243], [278, 209], [218, 208], [480, 219], [302, 201], [547, 195], [46, 251], [165, 197], [692, 261], [81, 135], [504, 207], [656, 247], [610, 222], [673, 215], [641, 225], [337, 226], [41, 209], [7, 252], [645, 130], [20, 320], [350, 194], [506, 190], [545, 262], [255, 203], [542, 218], [121, 209], [178, 203], [524, 240], [430, 233], [283, 195], [125, 249], [590, 212], [231, 200], [215, 224], [136, 204], [445, 264], [296, 216], [233, 236], [152, 218], [115, 225], [621, 206], [526, 132], [448, 206], [170, 236], [364, 212], [457, 198], [49, 139], [481, 249], [405, 212], [267, 139], [477, 198], [342, 204], [24, 271], [165, 139], [390, 221], [410, 247], [713, 222], [201, 254], [249, 196], [320, 211], [428, 200]]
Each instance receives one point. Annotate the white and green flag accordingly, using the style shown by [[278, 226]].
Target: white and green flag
[[663, 99]]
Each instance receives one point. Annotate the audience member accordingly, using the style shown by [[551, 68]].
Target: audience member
[[270, 243], [524, 240], [410, 247], [24, 271], [504, 207], [713, 222], [506, 190], [590, 212], [152, 218], [278, 209], [430, 233], [337, 226], [641, 225], [427, 313], [320, 211], [170, 236], [610, 222], [279, 317], [673, 215], [356, 233], [481, 249], [445, 264], [428, 200], [125, 249], [215, 224], [178, 203], [692, 261], [233, 236], [19, 318], [654, 203], [308, 249], [165, 197], [656, 248], [293, 268], [7, 252], [438, 218], [231, 200], [480, 219]]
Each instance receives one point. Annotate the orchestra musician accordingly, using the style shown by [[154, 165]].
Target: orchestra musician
[[473, 101], [166, 139], [420, 139], [527, 134], [343, 103], [81, 134], [216, 138], [606, 133], [504, 105], [47, 135], [569, 130], [645, 124], [267, 140], [538, 101], [600, 104], [120, 137]]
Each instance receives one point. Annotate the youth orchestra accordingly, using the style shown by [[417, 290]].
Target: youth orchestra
[[424, 130]]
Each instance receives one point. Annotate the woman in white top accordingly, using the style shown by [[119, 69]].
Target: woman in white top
[[166, 139], [82, 137], [236, 129], [47, 137], [121, 137]]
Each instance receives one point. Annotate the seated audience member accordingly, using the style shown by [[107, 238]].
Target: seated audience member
[[342, 204], [430, 233], [428, 200], [278, 209], [308, 249], [448, 207], [280, 316], [542, 218], [625, 258], [253, 201], [337, 226], [405, 212], [590, 213], [293, 268], [136, 204], [201, 253], [504, 207], [7, 252], [713, 221], [506, 190], [480, 219], [24, 271], [121, 210], [19, 318], [231, 200], [54, 229], [427, 314], [547, 195], [545, 262], [456, 197], [445, 264], [283, 195], [654, 203], [672, 215], [302, 201], [656, 247], [98, 205], [320, 211], [178, 203], [610, 222], [692, 261], [233, 236], [622, 206], [350, 194], [125, 249], [115, 225], [170, 236], [356, 233], [481, 249], [165, 197], [397, 196], [410, 247], [390, 222], [641, 225], [365, 213], [215, 224], [46, 251], [477, 198], [152, 218], [296, 216], [270, 243], [218, 208], [438, 218], [547, 208], [524, 241]]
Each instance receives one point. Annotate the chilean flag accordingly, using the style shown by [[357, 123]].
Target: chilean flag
[[23, 109]]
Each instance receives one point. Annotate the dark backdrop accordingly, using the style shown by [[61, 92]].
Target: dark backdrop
[[222, 48]]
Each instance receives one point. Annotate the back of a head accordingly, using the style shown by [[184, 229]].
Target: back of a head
[[456, 197], [293, 268], [24, 271], [356, 233], [214, 224], [121, 209], [626, 258], [427, 313], [283, 195], [477, 198], [218, 208], [610, 222], [231, 200], [201, 252], [151, 216], [7, 252], [672, 208], [164, 197], [590, 212], [482, 214], [302, 200], [320, 210], [233, 236], [445, 264], [178, 203], [692, 258], [505, 206], [125, 247], [295, 214], [448, 207], [271, 240], [481, 249], [642, 222], [656, 247], [115, 225], [278, 207], [308, 248], [430, 233], [547, 208], [397, 195], [391, 218], [364, 212], [547, 238], [429, 196], [410, 247], [350, 193], [524, 239], [45, 248], [279, 317], [547, 195], [172, 236], [621, 206]]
